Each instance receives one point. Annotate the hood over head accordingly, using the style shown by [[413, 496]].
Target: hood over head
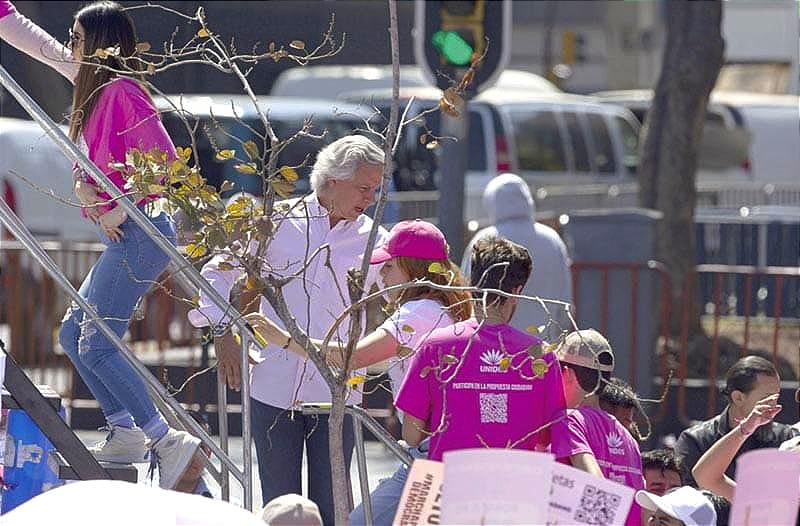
[[506, 197]]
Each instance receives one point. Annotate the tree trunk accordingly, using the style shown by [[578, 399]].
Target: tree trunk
[[339, 473], [693, 56]]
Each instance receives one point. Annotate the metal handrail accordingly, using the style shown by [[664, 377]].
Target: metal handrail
[[361, 419], [186, 275]]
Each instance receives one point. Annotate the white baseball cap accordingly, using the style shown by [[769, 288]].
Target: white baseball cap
[[685, 504], [291, 509]]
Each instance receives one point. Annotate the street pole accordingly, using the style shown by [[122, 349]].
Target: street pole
[[452, 170]]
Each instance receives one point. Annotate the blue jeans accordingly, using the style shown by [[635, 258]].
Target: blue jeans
[[386, 496], [115, 284], [279, 436]]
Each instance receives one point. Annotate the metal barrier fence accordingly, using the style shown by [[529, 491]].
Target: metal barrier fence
[[780, 339], [776, 335]]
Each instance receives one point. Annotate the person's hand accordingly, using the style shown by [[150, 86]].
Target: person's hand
[[86, 193], [267, 329], [110, 223], [763, 413], [229, 364]]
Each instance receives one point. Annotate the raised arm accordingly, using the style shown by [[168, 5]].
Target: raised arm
[[709, 472], [20, 32]]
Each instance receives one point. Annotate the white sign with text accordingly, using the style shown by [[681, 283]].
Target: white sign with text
[[496, 486]]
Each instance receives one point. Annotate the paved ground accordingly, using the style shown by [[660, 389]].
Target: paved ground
[[380, 464]]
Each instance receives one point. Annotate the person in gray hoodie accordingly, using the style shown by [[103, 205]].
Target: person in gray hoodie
[[508, 202]]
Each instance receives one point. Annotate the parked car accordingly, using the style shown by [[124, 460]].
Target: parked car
[[235, 115], [333, 81], [747, 137], [555, 141], [29, 153]]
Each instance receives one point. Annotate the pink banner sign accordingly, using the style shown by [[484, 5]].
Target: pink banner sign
[[421, 501], [767, 488]]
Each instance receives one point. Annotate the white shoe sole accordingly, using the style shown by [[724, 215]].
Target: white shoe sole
[[186, 456], [131, 459]]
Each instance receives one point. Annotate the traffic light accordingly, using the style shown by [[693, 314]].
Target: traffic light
[[573, 48], [450, 33]]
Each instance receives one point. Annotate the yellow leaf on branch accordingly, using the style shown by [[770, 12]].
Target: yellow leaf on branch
[[356, 380], [245, 168], [251, 149], [289, 173], [224, 155]]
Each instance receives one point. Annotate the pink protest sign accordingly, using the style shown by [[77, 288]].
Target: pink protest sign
[[496, 486], [420, 502], [767, 488], [580, 498]]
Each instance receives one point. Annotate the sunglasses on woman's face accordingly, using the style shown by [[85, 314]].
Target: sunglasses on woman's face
[[74, 39]]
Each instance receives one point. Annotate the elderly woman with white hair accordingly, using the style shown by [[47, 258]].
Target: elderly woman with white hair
[[345, 179]]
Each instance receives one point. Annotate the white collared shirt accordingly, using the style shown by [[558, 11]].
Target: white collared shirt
[[284, 379]]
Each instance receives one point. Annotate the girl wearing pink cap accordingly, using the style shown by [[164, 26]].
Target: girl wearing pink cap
[[409, 255]]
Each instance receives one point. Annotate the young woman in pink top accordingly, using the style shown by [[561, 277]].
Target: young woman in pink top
[[111, 114]]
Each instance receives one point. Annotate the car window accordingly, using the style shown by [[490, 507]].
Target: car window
[[579, 152], [294, 154], [477, 143], [538, 140], [603, 149], [630, 144]]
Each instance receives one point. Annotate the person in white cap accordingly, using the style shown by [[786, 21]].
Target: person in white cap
[[590, 439], [684, 506], [291, 510]]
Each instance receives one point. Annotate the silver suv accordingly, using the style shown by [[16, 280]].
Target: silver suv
[[560, 144]]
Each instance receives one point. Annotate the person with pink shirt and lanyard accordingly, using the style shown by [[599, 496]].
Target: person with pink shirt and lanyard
[[111, 114], [589, 438], [481, 382]]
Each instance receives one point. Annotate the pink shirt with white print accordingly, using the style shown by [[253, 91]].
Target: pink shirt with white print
[[591, 430], [471, 399]]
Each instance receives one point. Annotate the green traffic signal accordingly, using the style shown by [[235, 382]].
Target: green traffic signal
[[452, 47]]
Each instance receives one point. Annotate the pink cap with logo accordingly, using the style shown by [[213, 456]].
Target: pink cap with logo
[[414, 239]]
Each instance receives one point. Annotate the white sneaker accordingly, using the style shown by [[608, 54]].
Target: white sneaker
[[122, 445], [173, 453]]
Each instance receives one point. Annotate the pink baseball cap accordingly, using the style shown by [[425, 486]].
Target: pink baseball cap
[[414, 239]]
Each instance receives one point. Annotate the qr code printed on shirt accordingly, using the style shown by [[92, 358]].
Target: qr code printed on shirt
[[598, 507], [494, 408]]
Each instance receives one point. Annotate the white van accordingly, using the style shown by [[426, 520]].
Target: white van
[[27, 151]]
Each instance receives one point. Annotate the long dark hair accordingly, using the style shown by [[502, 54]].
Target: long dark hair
[[105, 25]]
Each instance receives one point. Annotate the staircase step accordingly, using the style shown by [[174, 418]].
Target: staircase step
[[124, 472], [52, 397]]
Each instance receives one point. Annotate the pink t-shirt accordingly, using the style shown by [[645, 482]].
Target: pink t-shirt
[[588, 429], [123, 118], [477, 388], [6, 8]]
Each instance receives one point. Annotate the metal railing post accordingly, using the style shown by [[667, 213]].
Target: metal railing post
[[247, 457], [222, 419], [363, 477]]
